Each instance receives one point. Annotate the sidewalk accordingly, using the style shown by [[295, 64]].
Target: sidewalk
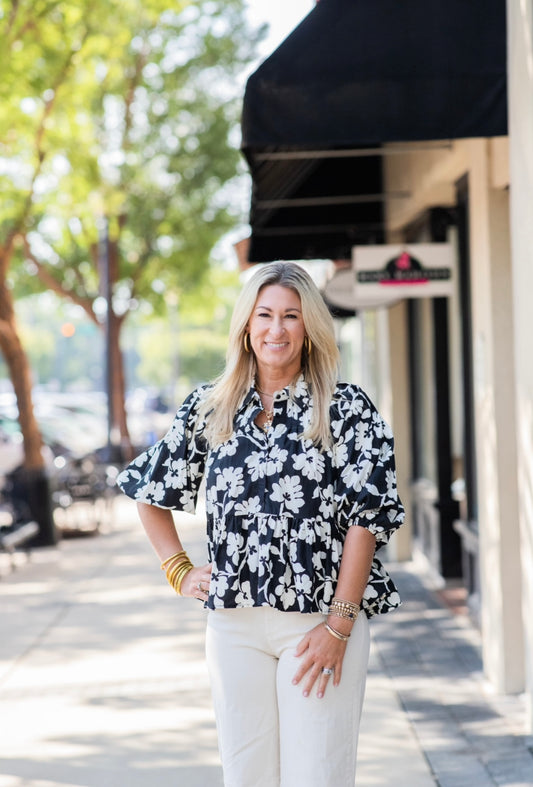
[[103, 681]]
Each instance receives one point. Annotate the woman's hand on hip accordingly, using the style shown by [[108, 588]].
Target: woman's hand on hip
[[321, 660], [196, 583]]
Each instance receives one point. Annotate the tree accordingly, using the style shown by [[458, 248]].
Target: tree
[[125, 125]]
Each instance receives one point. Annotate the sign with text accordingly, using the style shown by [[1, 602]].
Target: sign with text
[[385, 274]]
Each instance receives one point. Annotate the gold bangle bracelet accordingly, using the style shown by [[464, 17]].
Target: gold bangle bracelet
[[171, 557], [344, 609], [340, 613], [173, 569], [173, 562], [176, 567], [179, 572], [337, 634], [177, 586]]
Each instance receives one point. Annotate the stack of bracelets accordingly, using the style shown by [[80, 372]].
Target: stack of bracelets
[[342, 609], [176, 567]]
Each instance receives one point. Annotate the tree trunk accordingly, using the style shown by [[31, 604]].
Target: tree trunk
[[118, 390], [20, 374], [31, 486]]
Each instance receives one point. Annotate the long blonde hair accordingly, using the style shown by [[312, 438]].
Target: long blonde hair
[[320, 366]]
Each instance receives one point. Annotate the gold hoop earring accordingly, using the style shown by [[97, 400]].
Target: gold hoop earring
[[307, 344], [247, 342]]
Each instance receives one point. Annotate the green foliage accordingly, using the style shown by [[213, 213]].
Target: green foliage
[[123, 109], [189, 346], [64, 348]]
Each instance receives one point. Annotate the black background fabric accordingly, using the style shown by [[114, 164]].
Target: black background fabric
[[356, 74]]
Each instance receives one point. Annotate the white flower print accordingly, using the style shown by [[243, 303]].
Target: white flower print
[[276, 459], [188, 501], [256, 464], [253, 551], [370, 593], [351, 476], [155, 490], [230, 480], [293, 409], [248, 507], [303, 584], [219, 584], [311, 463], [318, 559], [390, 479], [307, 532], [361, 435], [174, 436], [357, 408], [234, 544], [139, 461], [218, 532], [340, 454], [385, 453], [176, 475], [244, 596], [278, 507], [327, 503], [289, 491], [229, 448], [284, 589]]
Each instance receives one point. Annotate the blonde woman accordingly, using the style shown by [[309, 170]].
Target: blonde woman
[[300, 494]]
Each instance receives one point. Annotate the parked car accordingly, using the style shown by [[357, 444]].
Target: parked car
[[75, 440]]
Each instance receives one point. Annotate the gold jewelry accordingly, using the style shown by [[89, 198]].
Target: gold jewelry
[[337, 634], [264, 392], [168, 559], [176, 568], [247, 342], [307, 345], [269, 415], [344, 609]]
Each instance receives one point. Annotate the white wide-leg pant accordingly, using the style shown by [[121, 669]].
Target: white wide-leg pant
[[269, 734]]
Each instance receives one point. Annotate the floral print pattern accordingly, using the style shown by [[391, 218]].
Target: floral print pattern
[[278, 508]]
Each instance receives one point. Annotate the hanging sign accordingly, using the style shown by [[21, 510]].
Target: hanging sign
[[385, 274]]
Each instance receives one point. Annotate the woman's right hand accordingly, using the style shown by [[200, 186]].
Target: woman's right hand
[[195, 584]]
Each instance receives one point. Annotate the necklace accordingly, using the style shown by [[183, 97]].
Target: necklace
[[269, 415]]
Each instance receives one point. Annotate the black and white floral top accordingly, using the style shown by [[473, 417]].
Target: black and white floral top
[[278, 508]]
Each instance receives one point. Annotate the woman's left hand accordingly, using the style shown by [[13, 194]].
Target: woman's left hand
[[319, 651]]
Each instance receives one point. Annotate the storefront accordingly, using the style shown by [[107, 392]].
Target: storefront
[[362, 132]]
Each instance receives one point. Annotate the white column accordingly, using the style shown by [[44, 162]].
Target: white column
[[520, 85], [496, 443], [400, 547]]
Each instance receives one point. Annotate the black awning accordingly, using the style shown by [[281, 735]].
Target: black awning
[[356, 74]]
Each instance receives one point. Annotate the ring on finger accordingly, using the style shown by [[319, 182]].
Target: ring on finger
[[327, 671], [199, 586]]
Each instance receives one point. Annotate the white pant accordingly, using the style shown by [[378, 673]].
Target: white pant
[[269, 734]]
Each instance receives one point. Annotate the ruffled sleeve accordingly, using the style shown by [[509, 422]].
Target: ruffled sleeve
[[366, 493], [169, 474]]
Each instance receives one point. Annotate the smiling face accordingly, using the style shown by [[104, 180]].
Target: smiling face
[[277, 332]]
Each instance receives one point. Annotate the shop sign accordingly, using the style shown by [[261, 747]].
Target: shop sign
[[385, 274]]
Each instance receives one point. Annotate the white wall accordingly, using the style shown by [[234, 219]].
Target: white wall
[[429, 178], [520, 84], [496, 444]]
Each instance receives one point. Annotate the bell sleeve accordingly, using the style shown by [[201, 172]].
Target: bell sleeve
[[169, 474], [364, 454]]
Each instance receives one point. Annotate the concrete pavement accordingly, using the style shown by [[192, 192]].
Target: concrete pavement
[[103, 681]]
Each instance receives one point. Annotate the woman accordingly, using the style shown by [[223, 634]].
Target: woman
[[300, 493]]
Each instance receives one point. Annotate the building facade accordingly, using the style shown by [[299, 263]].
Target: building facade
[[377, 155], [459, 383]]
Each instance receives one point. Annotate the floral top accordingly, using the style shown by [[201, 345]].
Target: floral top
[[278, 508]]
